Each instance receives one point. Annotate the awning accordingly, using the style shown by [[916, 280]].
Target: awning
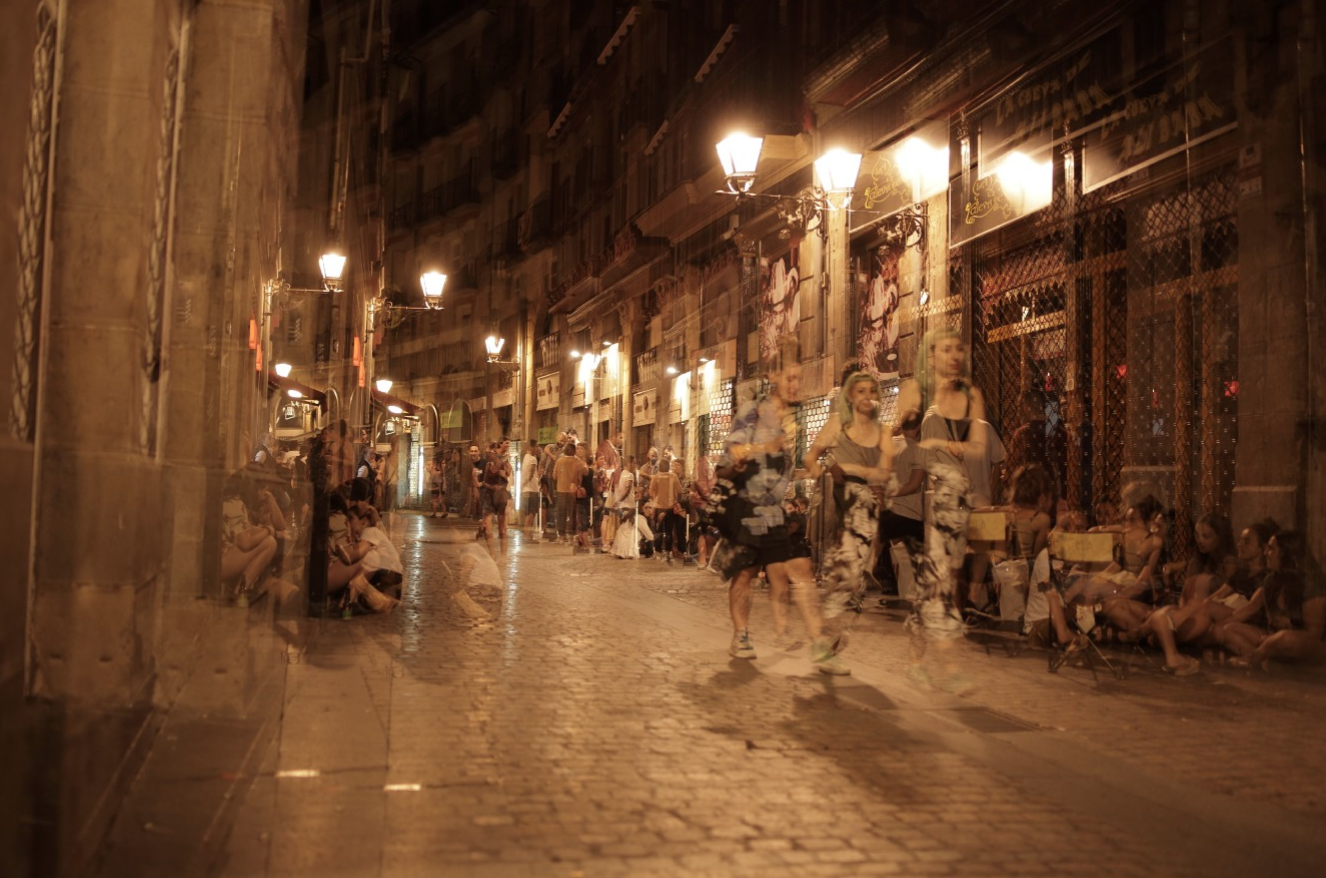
[[306, 393], [386, 400]]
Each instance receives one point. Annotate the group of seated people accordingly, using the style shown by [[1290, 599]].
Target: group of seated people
[[1257, 597], [363, 566], [256, 533]]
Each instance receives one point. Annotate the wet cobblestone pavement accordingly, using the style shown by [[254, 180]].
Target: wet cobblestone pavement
[[597, 727]]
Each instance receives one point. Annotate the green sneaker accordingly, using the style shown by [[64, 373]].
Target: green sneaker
[[827, 661]]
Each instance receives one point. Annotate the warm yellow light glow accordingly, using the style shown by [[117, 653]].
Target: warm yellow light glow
[[1026, 183], [922, 166], [331, 265], [282, 369], [837, 170], [432, 283], [494, 345], [575, 354], [395, 409], [294, 394], [384, 385], [740, 155]]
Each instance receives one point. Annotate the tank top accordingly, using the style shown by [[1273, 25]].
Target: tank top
[[847, 451], [1133, 561]]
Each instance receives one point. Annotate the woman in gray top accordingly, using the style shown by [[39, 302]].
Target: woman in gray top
[[862, 474], [943, 399]]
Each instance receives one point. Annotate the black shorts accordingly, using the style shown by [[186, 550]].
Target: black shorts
[[773, 552], [385, 578]]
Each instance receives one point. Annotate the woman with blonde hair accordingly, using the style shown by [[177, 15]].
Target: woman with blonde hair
[[862, 472], [943, 400]]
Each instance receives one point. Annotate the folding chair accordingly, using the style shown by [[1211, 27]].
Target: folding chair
[[987, 533], [1089, 551]]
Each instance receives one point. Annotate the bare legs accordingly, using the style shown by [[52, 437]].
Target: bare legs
[[249, 563], [1168, 625], [795, 577]]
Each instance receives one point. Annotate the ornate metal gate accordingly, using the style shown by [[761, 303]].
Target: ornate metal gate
[[1104, 335]]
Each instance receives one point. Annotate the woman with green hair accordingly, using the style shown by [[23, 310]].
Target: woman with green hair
[[862, 473], [943, 400]]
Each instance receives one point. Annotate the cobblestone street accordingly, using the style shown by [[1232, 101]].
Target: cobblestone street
[[597, 727]]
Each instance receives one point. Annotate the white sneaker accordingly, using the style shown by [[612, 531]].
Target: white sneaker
[[741, 646]]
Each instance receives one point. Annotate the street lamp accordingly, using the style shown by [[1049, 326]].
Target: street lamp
[[384, 385], [282, 369], [740, 155], [836, 171], [494, 344], [432, 283], [332, 264]]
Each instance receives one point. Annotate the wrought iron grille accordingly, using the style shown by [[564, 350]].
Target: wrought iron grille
[[1105, 339], [812, 414], [714, 426]]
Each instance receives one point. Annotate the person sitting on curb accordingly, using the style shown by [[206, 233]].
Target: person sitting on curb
[[379, 564], [1291, 603]]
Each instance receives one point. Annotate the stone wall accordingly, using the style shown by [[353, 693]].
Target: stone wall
[[171, 168]]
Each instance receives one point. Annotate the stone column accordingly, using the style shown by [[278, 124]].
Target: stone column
[[1272, 332]]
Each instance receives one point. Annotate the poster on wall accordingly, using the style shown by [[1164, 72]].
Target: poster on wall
[[549, 390], [879, 313], [780, 305], [644, 407]]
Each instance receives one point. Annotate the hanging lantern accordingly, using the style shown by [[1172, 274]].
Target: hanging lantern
[[253, 333], [258, 360], [357, 359], [361, 374]]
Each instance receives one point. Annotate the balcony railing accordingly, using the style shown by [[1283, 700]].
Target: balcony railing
[[401, 216], [550, 350]]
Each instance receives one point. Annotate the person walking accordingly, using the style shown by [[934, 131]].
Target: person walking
[[942, 398], [496, 492], [757, 466], [862, 474]]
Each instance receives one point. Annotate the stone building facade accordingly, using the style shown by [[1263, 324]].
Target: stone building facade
[[1113, 184], [146, 178]]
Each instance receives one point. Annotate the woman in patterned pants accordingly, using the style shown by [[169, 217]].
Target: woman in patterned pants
[[945, 403], [863, 461]]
